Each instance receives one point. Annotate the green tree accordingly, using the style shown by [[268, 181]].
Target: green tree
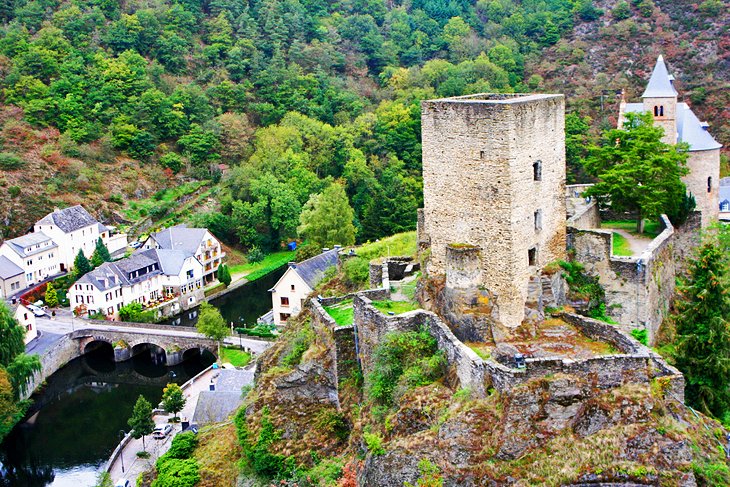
[[101, 254], [81, 265], [173, 399], [13, 335], [638, 172], [141, 420], [621, 11], [211, 324], [224, 275], [703, 337], [51, 296], [327, 218]]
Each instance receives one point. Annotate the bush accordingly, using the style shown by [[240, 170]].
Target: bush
[[172, 161], [172, 472], [257, 450], [9, 161], [374, 443], [357, 271], [621, 11], [182, 445], [307, 251], [299, 345], [404, 360], [255, 255], [640, 335], [14, 191]]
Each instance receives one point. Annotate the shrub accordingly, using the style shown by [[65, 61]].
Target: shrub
[[374, 443], [640, 335], [257, 450], [255, 255], [621, 11], [116, 198], [172, 161], [9, 161], [172, 472], [183, 445], [357, 271], [403, 360], [14, 191], [307, 251], [299, 345]]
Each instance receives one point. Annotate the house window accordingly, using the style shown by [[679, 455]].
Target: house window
[[29, 276], [30, 262], [537, 171], [25, 316], [538, 220], [709, 184], [284, 316], [190, 274], [110, 310], [292, 287], [532, 256], [284, 301], [725, 205]]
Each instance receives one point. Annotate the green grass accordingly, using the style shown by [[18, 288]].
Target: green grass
[[621, 245], [234, 356], [480, 349], [397, 307], [342, 312], [409, 289], [139, 209], [269, 264], [651, 228], [398, 244]]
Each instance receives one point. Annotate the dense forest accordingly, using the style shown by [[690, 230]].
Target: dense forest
[[271, 101]]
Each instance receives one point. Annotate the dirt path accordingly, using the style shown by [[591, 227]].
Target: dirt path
[[637, 244]]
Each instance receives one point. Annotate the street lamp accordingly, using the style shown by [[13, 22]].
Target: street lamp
[[122, 435]]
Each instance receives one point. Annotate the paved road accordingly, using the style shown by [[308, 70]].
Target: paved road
[[53, 328]]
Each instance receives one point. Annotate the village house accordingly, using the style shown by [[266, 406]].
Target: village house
[[74, 229], [164, 280], [36, 254], [12, 278], [26, 319], [291, 290], [194, 242]]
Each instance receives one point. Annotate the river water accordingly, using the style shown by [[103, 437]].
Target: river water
[[75, 421]]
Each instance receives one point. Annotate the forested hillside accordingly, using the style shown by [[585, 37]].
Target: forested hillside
[[107, 102]]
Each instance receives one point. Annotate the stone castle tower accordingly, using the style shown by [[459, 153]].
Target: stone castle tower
[[493, 187], [680, 124]]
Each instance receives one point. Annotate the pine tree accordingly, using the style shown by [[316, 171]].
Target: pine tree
[[81, 264], [141, 420], [703, 338], [51, 296], [173, 399], [101, 254], [224, 275]]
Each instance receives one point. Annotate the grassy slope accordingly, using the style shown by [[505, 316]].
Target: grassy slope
[[255, 270], [237, 358], [621, 245]]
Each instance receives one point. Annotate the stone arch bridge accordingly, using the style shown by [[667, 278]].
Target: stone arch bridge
[[170, 348]]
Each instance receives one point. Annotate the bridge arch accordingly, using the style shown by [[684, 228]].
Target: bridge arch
[[156, 352], [95, 343]]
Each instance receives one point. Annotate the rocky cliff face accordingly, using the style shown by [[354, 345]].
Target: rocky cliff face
[[556, 430]]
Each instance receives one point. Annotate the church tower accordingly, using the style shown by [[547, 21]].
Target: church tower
[[660, 99]]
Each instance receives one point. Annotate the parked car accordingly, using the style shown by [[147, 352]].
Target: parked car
[[136, 245], [36, 310], [123, 483], [161, 431]]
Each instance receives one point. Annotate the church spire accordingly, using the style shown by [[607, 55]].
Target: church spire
[[660, 83]]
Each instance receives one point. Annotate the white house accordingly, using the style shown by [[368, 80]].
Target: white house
[[36, 253], [291, 290], [12, 278], [26, 319], [74, 229], [197, 242], [154, 278]]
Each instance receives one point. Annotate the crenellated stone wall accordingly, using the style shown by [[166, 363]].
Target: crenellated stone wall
[[634, 363]]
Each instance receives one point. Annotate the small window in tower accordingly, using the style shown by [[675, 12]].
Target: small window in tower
[[481, 154], [709, 184], [656, 111], [661, 111], [537, 171], [538, 220], [532, 256]]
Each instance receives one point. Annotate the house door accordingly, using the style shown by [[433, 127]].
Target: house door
[[63, 268]]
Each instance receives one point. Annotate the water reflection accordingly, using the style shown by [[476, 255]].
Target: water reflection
[[74, 422]]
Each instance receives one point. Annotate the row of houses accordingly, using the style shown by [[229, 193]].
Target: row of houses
[[166, 274], [51, 248]]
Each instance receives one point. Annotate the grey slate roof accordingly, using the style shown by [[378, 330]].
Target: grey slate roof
[[8, 269], [689, 127], [180, 237], [69, 219], [19, 244], [724, 194], [112, 274], [215, 406], [171, 261], [312, 270], [660, 83]]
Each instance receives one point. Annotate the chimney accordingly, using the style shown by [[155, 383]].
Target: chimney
[[326, 249], [704, 125], [292, 265], [338, 247]]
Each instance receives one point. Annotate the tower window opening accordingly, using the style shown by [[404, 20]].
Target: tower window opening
[[661, 111], [709, 184], [538, 220], [656, 111], [481, 154], [537, 171], [532, 256]]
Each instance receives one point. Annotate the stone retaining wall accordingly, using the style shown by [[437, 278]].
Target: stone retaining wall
[[639, 289], [391, 269], [55, 357], [586, 217], [636, 363]]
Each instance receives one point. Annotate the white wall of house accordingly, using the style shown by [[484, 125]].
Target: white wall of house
[[288, 296], [70, 243], [115, 242], [111, 300], [187, 281], [43, 263], [12, 285], [26, 319], [209, 254]]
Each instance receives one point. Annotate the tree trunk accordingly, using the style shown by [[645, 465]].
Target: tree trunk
[[640, 225], [143, 445]]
